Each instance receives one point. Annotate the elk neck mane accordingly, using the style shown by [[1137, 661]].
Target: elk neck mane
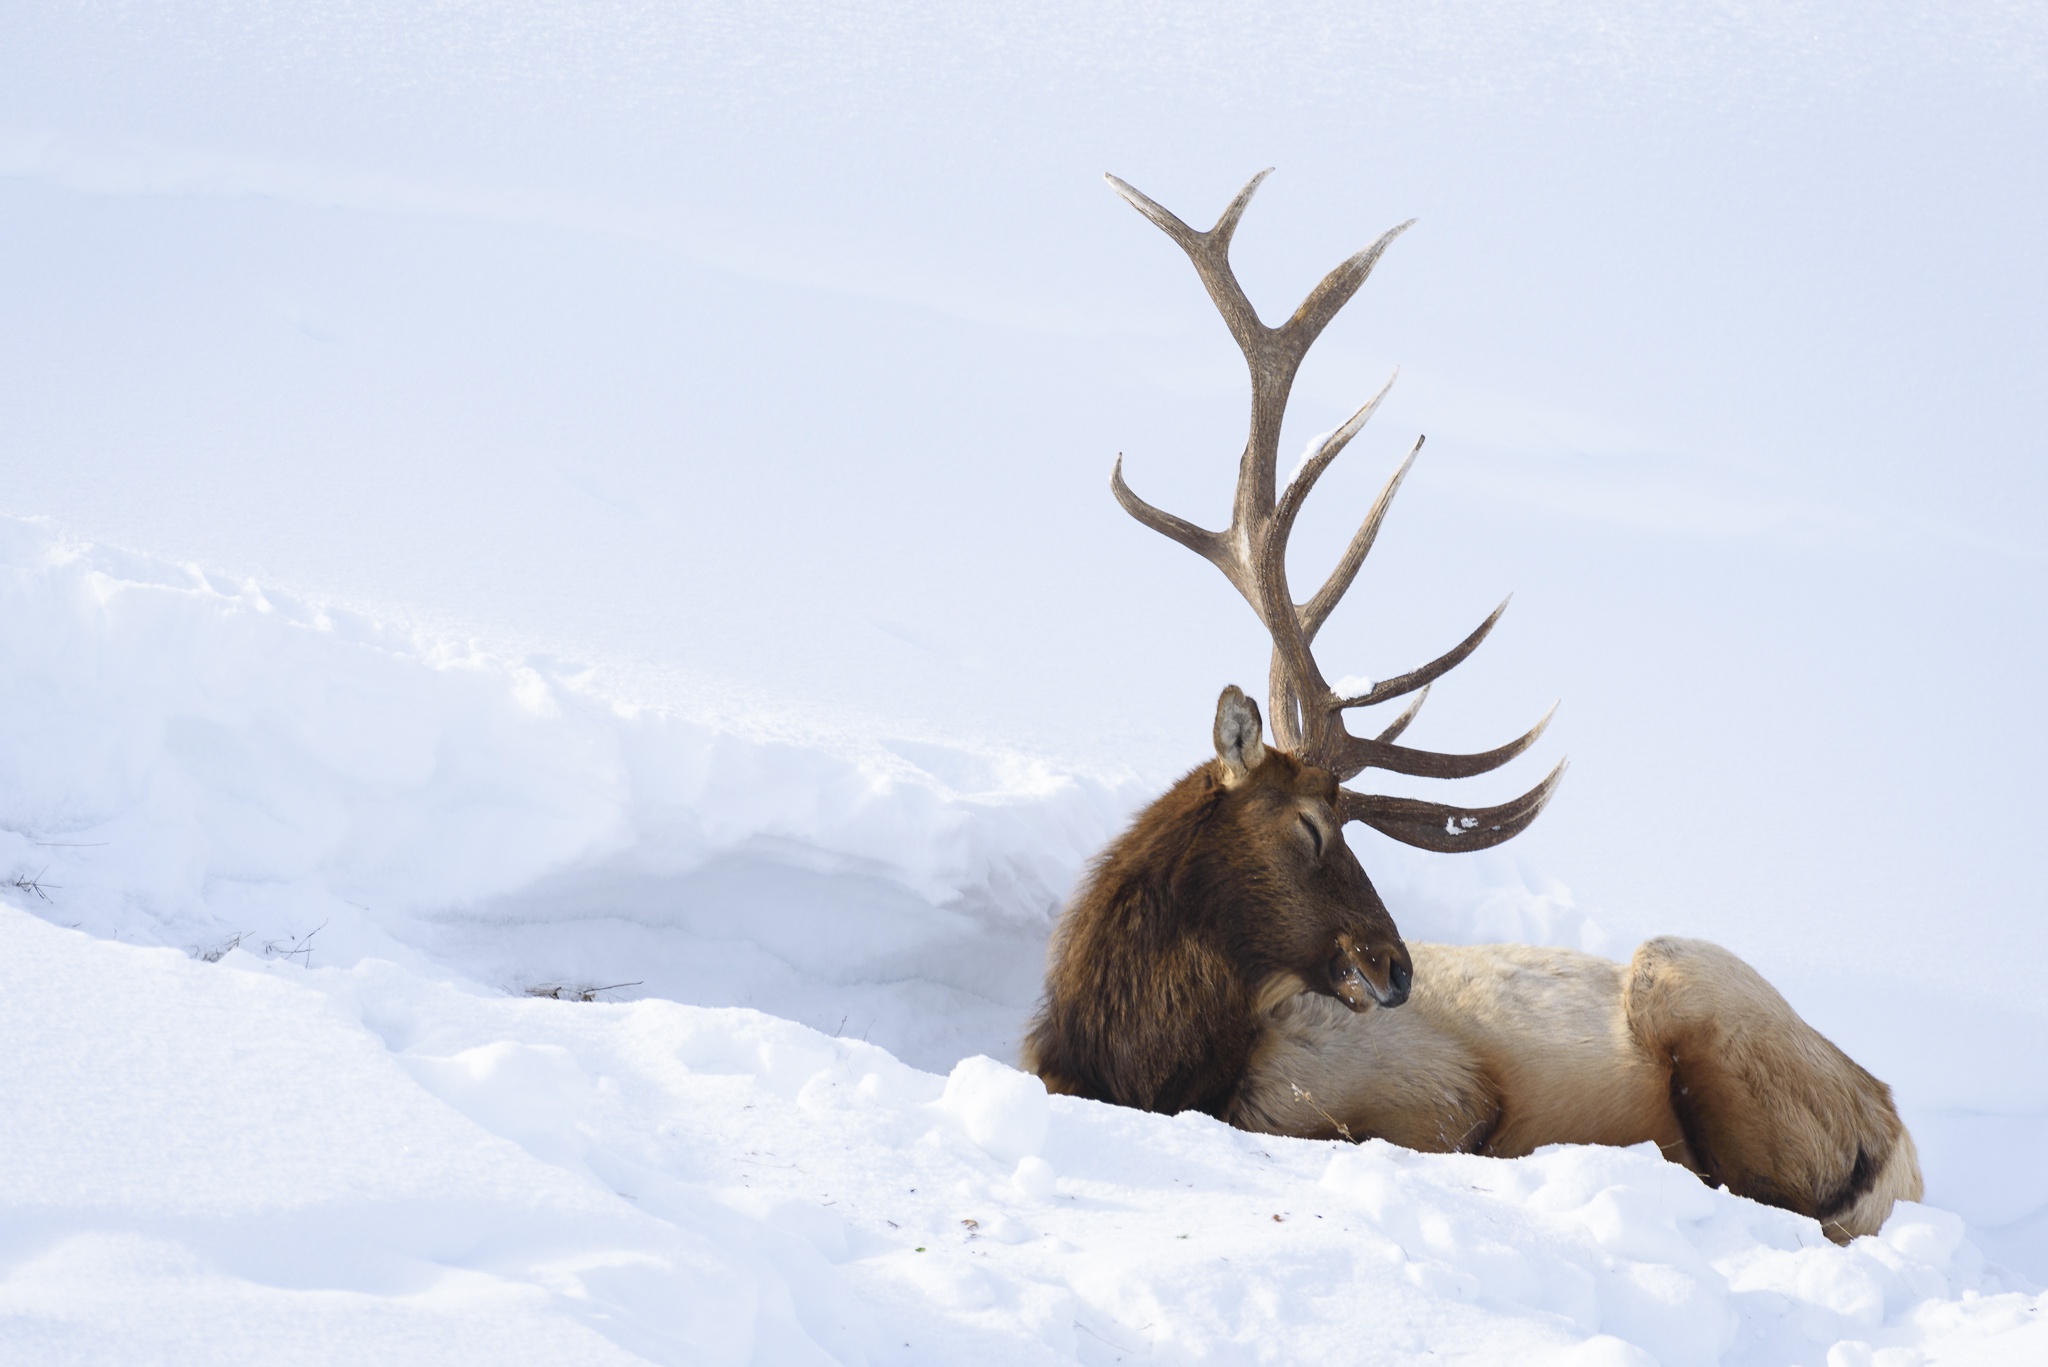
[[1153, 994]]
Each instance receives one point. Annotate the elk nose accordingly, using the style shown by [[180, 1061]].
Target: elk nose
[[1399, 979], [1378, 978], [1397, 975]]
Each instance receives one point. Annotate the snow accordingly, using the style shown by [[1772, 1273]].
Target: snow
[[1003, 1111], [607, 502], [252, 1161], [192, 761], [313, 1096]]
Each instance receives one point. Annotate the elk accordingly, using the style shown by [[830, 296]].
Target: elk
[[1227, 953]]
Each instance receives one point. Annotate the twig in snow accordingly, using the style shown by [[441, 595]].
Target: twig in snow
[[295, 947], [21, 882], [219, 951], [573, 992]]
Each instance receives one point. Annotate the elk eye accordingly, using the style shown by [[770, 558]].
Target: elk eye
[[1313, 834]]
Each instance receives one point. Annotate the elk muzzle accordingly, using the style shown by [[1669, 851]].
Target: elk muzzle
[[1367, 976]]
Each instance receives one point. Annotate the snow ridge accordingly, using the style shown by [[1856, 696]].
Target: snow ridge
[[190, 760]]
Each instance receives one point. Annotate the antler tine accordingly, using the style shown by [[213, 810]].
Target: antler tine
[[1297, 680], [1210, 253], [1168, 221], [1304, 481], [1354, 753], [1400, 723], [1446, 829], [1226, 222], [1386, 689], [1327, 737], [1211, 546], [1335, 292], [1317, 610]]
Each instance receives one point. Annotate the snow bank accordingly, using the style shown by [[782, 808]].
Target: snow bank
[[191, 762], [248, 1161]]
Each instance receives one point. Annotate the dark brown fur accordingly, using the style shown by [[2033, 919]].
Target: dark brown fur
[[1152, 995]]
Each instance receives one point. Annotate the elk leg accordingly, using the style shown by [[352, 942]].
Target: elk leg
[[1771, 1109]]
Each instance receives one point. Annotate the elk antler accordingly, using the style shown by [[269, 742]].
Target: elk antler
[[1307, 715]]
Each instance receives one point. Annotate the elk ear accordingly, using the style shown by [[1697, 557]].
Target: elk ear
[[1239, 750]]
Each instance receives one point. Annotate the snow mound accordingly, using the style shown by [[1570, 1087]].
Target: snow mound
[[251, 1161], [1004, 1112], [195, 762]]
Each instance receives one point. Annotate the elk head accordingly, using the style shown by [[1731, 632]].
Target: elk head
[[1276, 829], [1308, 715]]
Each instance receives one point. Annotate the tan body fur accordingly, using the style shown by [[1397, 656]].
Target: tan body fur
[[1504, 1048]]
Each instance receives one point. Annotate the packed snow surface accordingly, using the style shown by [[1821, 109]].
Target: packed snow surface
[[247, 1161]]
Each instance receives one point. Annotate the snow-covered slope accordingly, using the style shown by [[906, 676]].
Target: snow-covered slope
[[311, 1110], [248, 1162]]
